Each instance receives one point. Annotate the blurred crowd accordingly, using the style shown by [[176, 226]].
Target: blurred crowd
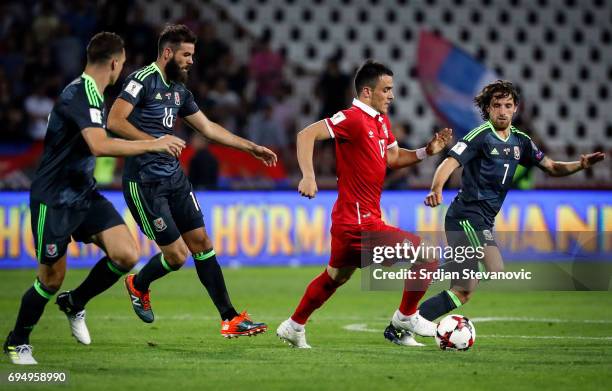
[[42, 48]]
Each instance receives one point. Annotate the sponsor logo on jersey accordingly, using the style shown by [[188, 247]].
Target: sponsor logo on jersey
[[159, 224], [507, 151], [133, 88], [51, 250], [459, 147], [177, 98], [168, 95], [96, 116], [158, 96], [371, 134], [494, 151], [517, 152]]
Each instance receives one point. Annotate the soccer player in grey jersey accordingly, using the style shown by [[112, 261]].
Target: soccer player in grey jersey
[[157, 191], [65, 203], [489, 155]]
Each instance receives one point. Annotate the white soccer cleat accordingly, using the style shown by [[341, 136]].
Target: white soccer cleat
[[79, 327], [414, 323], [20, 354], [408, 340], [287, 333]]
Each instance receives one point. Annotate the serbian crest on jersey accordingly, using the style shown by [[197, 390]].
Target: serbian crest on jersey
[[177, 98], [517, 152]]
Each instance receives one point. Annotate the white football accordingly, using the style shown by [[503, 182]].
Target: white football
[[455, 332]]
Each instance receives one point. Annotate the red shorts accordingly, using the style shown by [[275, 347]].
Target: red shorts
[[348, 244]]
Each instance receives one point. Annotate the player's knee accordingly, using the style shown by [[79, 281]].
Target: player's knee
[[52, 281], [177, 257], [126, 257]]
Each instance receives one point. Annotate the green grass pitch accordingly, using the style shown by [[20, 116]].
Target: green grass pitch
[[525, 340]]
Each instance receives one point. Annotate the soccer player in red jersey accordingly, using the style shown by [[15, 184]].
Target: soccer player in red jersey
[[365, 147]]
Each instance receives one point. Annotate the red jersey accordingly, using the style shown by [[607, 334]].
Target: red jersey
[[362, 137]]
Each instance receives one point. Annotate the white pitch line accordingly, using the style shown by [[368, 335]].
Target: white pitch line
[[363, 327]]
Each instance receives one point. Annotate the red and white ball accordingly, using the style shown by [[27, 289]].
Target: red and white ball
[[455, 332]]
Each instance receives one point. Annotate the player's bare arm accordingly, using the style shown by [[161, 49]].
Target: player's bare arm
[[443, 172], [401, 157], [101, 145], [305, 147], [557, 169], [219, 134], [118, 122]]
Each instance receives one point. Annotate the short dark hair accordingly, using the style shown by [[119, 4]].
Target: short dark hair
[[368, 74], [497, 89], [103, 46], [175, 34]]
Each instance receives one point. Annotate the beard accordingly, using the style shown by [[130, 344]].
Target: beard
[[174, 72]]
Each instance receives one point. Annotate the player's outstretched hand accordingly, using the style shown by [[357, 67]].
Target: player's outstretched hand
[[171, 145], [268, 157], [591, 159], [308, 187], [433, 199], [439, 141]]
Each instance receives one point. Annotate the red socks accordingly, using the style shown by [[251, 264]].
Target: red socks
[[318, 291], [415, 289]]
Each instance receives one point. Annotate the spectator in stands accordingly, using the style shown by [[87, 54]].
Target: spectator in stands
[[237, 74], [81, 18], [45, 24], [333, 88], [38, 106], [266, 69], [226, 104], [284, 111], [203, 167], [69, 52], [399, 179], [140, 35], [262, 128], [209, 50]]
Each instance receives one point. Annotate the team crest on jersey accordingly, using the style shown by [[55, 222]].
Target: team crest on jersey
[[177, 98], [51, 250], [517, 152], [488, 235], [159, 224]]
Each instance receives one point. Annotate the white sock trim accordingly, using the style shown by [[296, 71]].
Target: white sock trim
[[295, 325], [403, 317]]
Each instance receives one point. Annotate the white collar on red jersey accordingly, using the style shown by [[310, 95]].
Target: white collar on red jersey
[[369, 110]]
